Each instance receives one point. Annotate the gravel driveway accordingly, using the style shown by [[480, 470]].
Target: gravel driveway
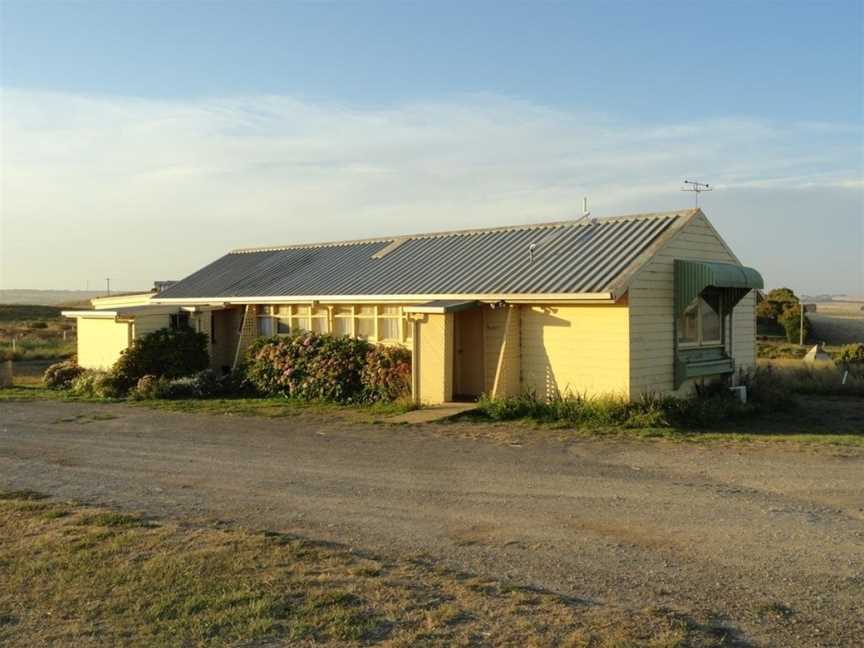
[[768, 538]]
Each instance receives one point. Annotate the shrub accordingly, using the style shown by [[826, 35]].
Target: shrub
[[38, 325], [766, 390], [386, 374], [776, 384], [308, 366], [60, 375], [147, 388], [851, 353], [204, 384], [604, 411], [96, 384], [166, 352], [775, 351]]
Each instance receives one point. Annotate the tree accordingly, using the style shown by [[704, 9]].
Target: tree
[[782, 296], [790, 320]]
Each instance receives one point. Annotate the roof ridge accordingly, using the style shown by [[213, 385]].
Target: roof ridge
[[580, 222]]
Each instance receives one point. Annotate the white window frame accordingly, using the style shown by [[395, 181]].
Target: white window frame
[[700, 342], [352, 316]]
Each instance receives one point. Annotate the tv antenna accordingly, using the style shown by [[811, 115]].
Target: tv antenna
[[696, 188]]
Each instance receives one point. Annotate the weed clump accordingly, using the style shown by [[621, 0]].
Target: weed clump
[[710, 404]]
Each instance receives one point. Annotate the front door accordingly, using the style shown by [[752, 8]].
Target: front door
[[468, 379]]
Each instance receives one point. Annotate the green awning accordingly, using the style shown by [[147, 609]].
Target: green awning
[[716, 282]]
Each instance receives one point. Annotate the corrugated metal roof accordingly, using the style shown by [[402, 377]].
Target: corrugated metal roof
[[570, 257]]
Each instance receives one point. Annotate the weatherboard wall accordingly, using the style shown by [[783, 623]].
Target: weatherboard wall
[[651, 295], [580, 350], [435, 361]]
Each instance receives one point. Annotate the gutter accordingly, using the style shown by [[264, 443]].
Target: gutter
[[513, 298]]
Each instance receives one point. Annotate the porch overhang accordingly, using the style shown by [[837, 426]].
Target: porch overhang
[[715, 282]]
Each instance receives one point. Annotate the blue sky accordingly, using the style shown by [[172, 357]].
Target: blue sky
[[130, 126]]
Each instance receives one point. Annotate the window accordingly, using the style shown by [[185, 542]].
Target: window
[[266, 323], [300, 319], [343, 320], [283, 319], [388, 323], [179, 320], [320, 319], [364, 325], [382, 323], [700, 325]]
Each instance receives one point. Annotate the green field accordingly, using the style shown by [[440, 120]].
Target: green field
[[30, 332]]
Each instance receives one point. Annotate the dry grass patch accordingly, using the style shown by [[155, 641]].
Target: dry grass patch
[[81, 576]]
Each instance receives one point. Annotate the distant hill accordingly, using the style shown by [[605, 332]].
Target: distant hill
[[69, 298], [832, 298]]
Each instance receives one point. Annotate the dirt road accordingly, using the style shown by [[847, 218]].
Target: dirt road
[[768, 538]]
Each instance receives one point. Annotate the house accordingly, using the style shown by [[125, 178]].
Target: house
[[629, 305], [110, 326]]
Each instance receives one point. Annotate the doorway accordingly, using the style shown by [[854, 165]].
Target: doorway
[[224, 335], [468, 346]]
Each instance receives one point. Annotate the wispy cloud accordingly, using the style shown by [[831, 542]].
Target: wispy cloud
[[144, 188]]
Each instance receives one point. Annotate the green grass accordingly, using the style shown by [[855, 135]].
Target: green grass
[[817, 420], [38, 332], [37, 349], [113, 520], [32, 392], [74, 575]]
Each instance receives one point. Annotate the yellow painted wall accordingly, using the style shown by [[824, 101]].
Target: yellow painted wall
[[575, 349], [435, 361], [652, 344], [100, 342]]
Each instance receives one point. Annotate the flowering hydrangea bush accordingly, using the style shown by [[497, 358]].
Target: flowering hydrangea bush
[[308, 366], [386, 376], [312, 366]]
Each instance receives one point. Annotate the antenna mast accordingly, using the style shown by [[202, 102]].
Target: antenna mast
[[696, 188]]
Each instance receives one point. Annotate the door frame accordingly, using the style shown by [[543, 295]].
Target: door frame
[[458, 369]]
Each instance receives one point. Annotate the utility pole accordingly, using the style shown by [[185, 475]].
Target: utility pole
[[802, 310], [108, 285]]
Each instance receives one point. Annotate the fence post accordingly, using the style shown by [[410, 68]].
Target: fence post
[[6, 374]]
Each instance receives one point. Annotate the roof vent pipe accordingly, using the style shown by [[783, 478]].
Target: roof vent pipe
[[585, 212], [531, 249]]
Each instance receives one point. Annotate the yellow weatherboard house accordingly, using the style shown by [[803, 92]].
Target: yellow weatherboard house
[[647, 303]]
